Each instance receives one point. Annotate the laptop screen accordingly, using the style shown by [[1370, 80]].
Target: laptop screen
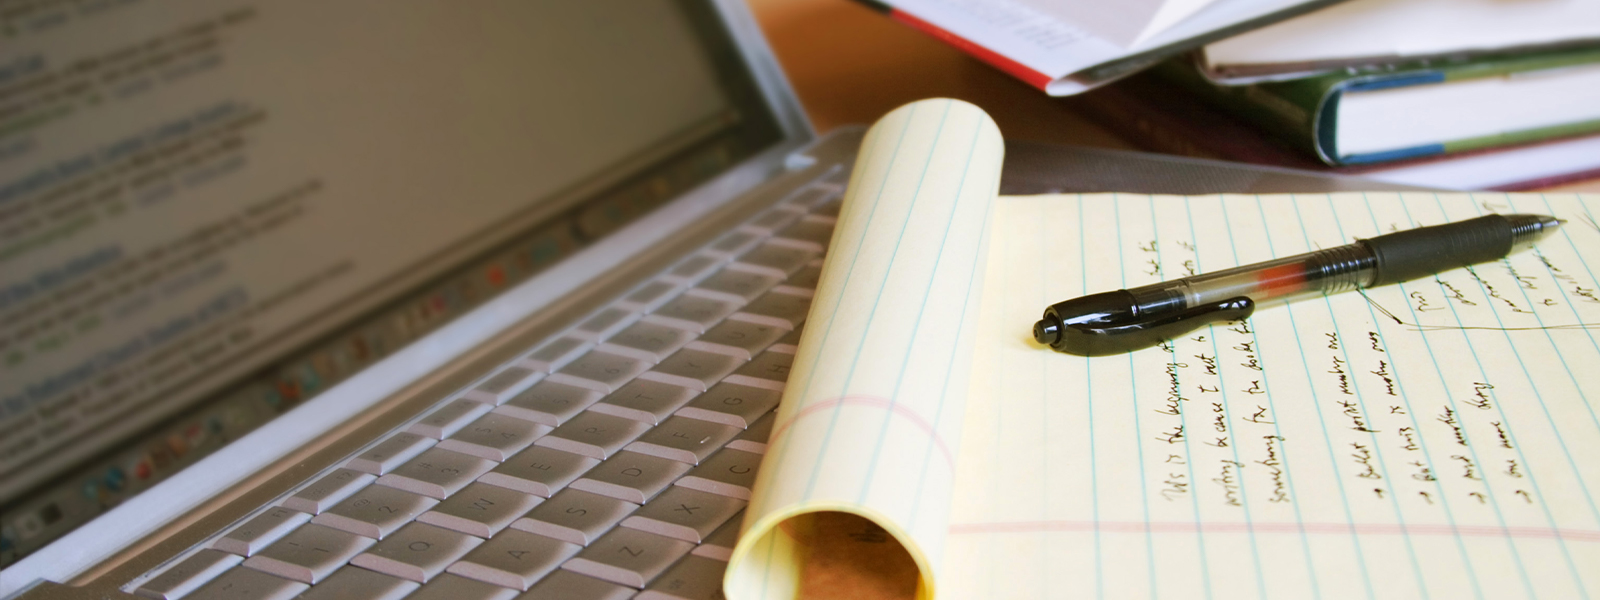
[[211, 210]]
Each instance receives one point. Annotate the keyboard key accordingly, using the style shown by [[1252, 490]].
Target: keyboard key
[[815, 230], [391, 453], [695, 369], [631, 477], [754, 437], [628, 557], [693, 312], [605, 324], [730, 473], [374, 512], [600, 371], [750, 337], [693, 578], [539, 471], [807, 277], [780, 257], [686, 514], [776, 218], [734, 243], [418, 552], [772, 366], [550, 403], [332, 488], [652, 295], [260, 530], [556, 354], [719, 545], [503, 385], [480, 509], [437, 473], [809, 197], [449, 418], [648, 340], [186, 576], [645, 401], [456, 587], [308, 554], [495, 436], [248, 584], [694, 268], [575, 516], [515, 559], [732, 404], [738, 283], [566, 585], [354, 583], [785, 303], [593, 434], [685, 440]]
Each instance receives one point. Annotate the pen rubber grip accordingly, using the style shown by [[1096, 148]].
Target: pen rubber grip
[[1414, 253]]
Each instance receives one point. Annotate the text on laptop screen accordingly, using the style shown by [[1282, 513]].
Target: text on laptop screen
[[191, 188]]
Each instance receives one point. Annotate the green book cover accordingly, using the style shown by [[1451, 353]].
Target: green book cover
[[1305, 111]]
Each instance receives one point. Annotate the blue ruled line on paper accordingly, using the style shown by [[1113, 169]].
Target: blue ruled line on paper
[[1444, 385], [1316, 400], [1133, 387], [1361, 401], [1222, 384], [894, 394], [1183, 419], [1088, 386], [1266, 385]]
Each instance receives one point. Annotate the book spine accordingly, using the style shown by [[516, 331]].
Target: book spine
[[1160, 117], [1290, 117]]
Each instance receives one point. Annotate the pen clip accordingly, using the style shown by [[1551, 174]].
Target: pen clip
[[1096, 339]]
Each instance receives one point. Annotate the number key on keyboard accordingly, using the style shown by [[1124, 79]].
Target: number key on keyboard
[[332, 488], [740, 283], [240, 583], [374, 512], [601, 371], [495, 436], [693, 312], [781, 257], [263, 529], [309, 554], [185, 576], [437, 473], [550, 403], [391, 453]]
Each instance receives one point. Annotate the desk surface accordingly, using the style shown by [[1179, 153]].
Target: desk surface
[[851, 65]]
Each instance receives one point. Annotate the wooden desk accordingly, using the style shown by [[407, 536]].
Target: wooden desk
[[850, 65]]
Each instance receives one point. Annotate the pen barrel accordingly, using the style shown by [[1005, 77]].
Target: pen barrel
[[1422, 252], [1320, 272]]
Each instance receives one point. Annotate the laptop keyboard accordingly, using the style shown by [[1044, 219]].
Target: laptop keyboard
[[612, 461]]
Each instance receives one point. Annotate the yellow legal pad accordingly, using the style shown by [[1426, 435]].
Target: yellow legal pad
[[1437, 438]]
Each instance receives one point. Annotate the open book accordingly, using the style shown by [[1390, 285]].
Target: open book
[[1067, 46], [1437, 438]]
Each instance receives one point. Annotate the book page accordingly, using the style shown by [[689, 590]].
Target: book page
[[1437, 438], [871, 416]]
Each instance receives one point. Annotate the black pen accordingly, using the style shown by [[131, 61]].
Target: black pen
[[1125, 320]]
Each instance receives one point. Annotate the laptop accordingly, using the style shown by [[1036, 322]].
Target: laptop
[[382, 300]]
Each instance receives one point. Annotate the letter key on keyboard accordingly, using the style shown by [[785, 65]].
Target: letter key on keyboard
[[417, 552], [575, 516], [628, 557], [515, 559], [539, 471], [308, 554], [480, 509]]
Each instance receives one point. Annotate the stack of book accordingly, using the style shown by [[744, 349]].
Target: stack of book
[[1460, 94]]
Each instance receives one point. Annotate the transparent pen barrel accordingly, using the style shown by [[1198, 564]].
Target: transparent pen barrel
[[1291, 278]]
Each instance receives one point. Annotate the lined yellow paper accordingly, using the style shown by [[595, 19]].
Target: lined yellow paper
[[871, 415], [1438, 438]]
